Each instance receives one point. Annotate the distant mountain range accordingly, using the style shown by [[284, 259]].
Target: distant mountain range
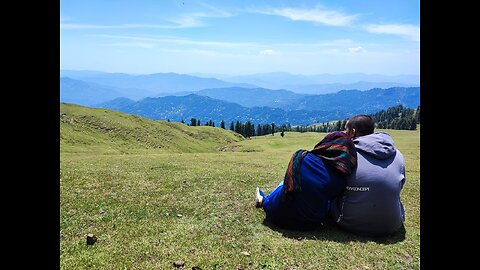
[[156, 83], [335, 87], [179, 96], [88, 93], [249, 97], [301, 111], [321, 83], [176, 108], [360, 101], [87, 88]]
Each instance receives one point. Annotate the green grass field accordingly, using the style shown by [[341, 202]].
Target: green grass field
[[155, 192]]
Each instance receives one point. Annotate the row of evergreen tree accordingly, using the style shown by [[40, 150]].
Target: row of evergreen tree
[[196, 122], [397, 117]]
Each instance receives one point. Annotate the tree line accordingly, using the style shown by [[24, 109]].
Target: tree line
[[397, 117]]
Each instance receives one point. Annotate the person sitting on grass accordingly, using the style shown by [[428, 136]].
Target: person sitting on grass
[[370, 204], [311, 180]]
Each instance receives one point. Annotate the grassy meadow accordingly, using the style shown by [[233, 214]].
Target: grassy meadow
[[155, 192]]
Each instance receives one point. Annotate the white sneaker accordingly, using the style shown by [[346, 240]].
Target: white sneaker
[[258, 197]]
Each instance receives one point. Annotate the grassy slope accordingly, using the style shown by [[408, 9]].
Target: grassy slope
[[84, 129], [154, 207]]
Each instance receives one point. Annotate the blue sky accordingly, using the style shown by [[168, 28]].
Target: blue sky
[[241, 37]]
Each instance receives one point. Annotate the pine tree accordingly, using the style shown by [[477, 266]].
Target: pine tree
[[259, 130], [417, 115], [338, 125], [246, 132], [232, 127], [238, 127]]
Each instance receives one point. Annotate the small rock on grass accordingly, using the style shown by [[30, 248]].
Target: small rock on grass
[[91, 239], [407, 257], [196, 268], [178, 264]]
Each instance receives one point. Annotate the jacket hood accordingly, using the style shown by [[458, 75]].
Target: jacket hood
[[379, 145]]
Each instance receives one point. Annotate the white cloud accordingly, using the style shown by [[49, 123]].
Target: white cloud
[[132, 44], [216, 11], [325, 43], [268, 52], [192, 51], [196, 19], [74, 26], [408, 31], [225, 44], [179, 41], [327, 17], [189, 20], [358, 49]]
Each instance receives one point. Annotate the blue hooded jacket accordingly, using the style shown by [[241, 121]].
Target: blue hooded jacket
[[370, 203]]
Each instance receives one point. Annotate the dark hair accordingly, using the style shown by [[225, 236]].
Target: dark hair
[[362, 123]]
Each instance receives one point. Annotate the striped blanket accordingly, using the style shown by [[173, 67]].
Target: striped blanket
[[336, 150]]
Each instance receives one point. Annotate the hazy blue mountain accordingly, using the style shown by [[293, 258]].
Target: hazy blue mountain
[[322, 83], [359, 77], [360, 101], [336, 87], [299, 79], [184, 107], [88, 93], [79, 74], [304, 111], [176, 108], [252, 97], [273, 80], [83, 93], [158, 83], [115, 104], [210, 75], [162, 84], [342, 100]]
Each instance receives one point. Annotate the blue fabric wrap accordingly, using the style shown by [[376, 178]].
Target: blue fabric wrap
[[305, 208]]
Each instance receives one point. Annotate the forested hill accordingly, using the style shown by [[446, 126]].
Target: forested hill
[[303, 111], [178, 108], [369, 101]]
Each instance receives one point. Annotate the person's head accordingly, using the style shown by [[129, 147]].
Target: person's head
[[359, 125]]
